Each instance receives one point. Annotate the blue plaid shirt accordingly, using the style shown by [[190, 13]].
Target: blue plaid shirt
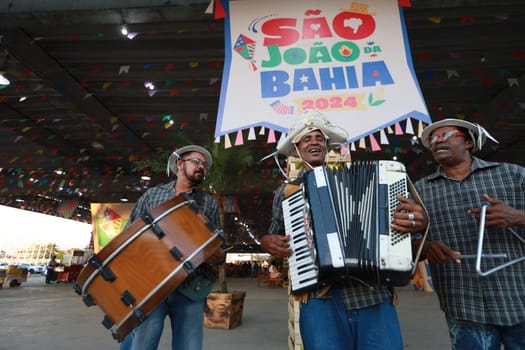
[[356, 295], [155, 196], [498, 298]]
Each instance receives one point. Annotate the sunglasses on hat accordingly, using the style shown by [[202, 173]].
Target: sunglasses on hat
[[444, 136]]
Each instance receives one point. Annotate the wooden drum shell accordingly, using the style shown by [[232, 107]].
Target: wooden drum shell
[[146, 267]]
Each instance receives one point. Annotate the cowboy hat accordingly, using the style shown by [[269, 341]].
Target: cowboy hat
[[176, 155], [477, 133], [308, 121]]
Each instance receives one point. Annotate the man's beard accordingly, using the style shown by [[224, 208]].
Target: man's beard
[[197, 178]]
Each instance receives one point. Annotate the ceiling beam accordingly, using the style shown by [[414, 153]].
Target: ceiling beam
[[26, 50]]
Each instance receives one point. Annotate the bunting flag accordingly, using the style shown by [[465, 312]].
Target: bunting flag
[[239, 139], [383, 138], [373, 143], [251, 134], [349, 60], [227, 142], [271, 136], [398, 130], [123, 70], [420, 129], [409, 129], [67, 208], [219, 10]]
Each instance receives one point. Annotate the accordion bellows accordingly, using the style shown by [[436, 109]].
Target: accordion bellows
[[340, 226]]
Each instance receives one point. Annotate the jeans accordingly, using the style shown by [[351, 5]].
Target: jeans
[[466, 335], [187, 322], [325, 325]]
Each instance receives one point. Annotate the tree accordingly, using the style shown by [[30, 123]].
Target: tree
[[225, 176]]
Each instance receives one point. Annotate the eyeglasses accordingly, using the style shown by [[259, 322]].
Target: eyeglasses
[[196, 161], [444, 136]]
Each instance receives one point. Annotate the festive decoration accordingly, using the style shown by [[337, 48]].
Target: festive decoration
[[96, 84], [67, 208], [314, 66]]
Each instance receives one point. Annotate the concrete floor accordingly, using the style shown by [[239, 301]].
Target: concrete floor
[[36, 316]]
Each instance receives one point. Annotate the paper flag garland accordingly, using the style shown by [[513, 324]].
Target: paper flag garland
[[239, 140]]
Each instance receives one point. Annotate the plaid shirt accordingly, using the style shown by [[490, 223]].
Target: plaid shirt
[[356, 295], [498, 298], [160, 194]]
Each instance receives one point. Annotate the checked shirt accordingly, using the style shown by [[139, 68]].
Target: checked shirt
[[498, 298], [155, 196]]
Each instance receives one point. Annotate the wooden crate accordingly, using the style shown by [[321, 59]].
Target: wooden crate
[[224, 310]]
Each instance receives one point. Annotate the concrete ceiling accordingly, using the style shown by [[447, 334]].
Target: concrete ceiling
[[77, 99]]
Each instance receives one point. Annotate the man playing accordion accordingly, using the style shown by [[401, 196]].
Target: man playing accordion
[[349, 314]]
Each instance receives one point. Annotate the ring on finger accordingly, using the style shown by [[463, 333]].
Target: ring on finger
[[411, 216], [413, 223]]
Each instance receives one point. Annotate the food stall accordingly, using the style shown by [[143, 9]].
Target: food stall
[[69, 271]]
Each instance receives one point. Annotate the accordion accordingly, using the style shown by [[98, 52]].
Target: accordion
[[339, 224]]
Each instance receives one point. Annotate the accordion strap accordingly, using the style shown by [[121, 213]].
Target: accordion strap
[[417, 199]]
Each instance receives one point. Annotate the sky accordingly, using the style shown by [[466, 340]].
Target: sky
[[20, 228]]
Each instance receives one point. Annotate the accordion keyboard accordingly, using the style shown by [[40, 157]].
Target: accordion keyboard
[[302, 266]]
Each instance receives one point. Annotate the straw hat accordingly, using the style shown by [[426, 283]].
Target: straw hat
[[175, 156], [308, 121], [477, 133], [358, 8]]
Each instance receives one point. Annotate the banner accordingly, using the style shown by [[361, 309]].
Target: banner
[[349, 60], [109, 219]]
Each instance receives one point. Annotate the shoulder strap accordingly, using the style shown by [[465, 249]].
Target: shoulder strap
[[199, 196], [418, 200]]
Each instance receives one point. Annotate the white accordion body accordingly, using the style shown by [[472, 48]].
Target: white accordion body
[[340, 226]]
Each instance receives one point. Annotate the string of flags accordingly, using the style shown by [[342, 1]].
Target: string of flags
[[368, 142]]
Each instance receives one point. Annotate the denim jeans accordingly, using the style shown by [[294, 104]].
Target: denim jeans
[[325, 325], [466, 335], [187, 319]]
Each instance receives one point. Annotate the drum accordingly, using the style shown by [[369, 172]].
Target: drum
[[146, 262]]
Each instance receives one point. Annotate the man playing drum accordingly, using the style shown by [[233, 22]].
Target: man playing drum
[[189, 164]]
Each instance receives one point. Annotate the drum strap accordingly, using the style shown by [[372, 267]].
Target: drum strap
[[197, 196], [200, 282], [199, 201]]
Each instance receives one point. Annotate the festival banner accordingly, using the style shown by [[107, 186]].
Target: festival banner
[[349, 60], [108, 219]]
